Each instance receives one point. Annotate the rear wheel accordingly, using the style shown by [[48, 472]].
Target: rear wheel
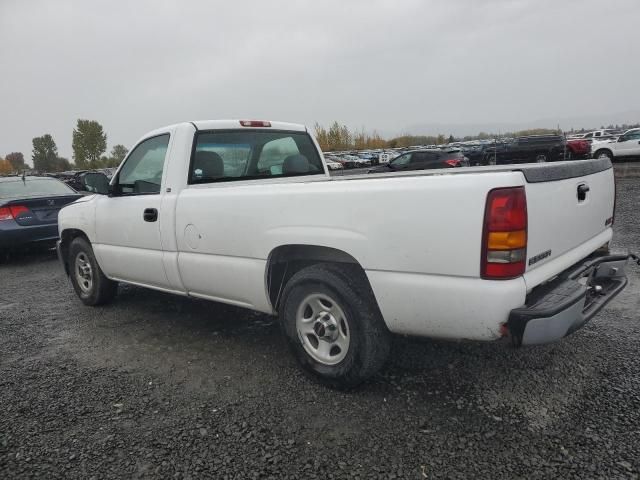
[[88, 280], [541, 158], [333, 325]]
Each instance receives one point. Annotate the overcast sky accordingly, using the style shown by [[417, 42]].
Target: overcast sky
[[391, 65]]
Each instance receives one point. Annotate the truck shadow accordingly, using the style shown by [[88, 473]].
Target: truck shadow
[[232, 355], [230, 341], [26, 256]]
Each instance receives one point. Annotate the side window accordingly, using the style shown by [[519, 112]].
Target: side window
[[423, 157], [633, 135], [142, 172], [402, 159], [418, 157]]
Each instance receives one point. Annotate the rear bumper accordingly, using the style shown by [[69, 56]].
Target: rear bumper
[[16, 236], [560, 308]]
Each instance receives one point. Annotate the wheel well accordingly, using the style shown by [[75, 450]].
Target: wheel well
[[600, 150], [66, 237], [286, 260]]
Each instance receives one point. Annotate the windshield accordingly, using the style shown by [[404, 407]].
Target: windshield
[[33, 188]]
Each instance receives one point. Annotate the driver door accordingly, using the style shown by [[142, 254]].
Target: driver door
[[128, 243], [628, 144]]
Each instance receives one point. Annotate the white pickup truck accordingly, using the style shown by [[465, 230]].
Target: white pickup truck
[[245, 213], [625, 146]]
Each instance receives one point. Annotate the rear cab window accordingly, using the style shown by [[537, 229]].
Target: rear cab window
[[228, 155]]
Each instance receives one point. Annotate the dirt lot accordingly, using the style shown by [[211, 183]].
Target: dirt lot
[[167, 387]]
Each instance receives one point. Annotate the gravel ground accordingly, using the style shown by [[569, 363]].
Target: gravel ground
[[167, 387]]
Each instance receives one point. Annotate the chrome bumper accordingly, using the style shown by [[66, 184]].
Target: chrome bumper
[[567, 303]]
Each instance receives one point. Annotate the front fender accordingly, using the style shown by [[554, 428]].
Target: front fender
[[79, 215]]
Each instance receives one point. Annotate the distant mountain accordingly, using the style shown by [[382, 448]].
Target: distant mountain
[[566, 123]]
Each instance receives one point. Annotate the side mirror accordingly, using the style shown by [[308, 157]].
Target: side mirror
[[96, 182], [621, 139]]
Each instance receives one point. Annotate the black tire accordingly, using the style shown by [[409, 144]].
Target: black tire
[[542, 158], [99, 290], [369, 340], [604, 152]]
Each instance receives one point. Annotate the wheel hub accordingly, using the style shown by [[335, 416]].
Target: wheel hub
[[84, 274], [323, 328], [326, 327]]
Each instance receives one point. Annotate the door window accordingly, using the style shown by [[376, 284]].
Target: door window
[[635, 135], [142, 171]]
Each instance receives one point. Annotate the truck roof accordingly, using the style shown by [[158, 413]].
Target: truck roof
[[235, 124]]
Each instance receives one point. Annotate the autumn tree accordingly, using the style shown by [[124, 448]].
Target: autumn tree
[[89, 143], [45, 153], [16, 159], [5, 167], [322, 137]]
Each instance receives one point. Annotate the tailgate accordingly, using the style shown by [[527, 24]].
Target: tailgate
[[570, 212]]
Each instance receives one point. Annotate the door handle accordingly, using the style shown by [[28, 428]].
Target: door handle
[[582, 192], [150, 215]]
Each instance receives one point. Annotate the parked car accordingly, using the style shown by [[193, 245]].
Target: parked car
[[76, 178], [578, 148], [351, 161], [421, 160], [333, 164], [600, 134], [626, 145], [29, 209], [534, 148], [475, 153], [245, 212]]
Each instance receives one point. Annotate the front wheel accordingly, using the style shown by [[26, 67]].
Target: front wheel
[[332, 323], [91, 285], [541, 158]]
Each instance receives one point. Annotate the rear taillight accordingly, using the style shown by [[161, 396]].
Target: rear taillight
[[12, 211], [452, 162], [504, 238], [610, 220]]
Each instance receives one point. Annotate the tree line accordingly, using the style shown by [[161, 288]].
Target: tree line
[[89, 145], [339, 137]]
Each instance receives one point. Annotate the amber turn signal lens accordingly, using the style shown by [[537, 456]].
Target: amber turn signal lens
[[507, 240]]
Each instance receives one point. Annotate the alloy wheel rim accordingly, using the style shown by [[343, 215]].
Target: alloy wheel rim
[[323, 329], [84, 272]]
